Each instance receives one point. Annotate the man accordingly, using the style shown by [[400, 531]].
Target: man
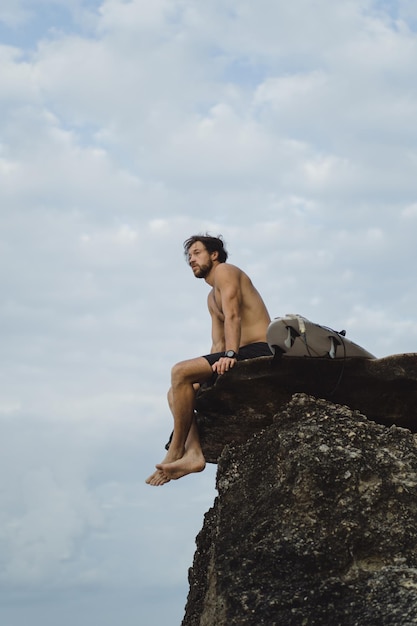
[[239, 323]]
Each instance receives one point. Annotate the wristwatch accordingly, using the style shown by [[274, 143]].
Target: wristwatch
[[231, 354]]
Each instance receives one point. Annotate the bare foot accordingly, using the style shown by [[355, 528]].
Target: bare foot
[[157, 479], [188, 464]]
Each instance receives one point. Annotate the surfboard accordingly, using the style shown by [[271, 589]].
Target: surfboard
[[295, 335]]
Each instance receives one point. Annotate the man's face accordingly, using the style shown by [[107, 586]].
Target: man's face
[[200, 260]]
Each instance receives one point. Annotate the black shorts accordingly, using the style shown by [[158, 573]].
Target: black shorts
[[251, 351]]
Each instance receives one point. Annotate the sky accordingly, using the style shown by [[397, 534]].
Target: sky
[[125, 127]]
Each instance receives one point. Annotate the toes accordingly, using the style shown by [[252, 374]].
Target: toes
[[157, 479]]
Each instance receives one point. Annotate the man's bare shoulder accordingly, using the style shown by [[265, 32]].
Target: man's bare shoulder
[[227, 271]]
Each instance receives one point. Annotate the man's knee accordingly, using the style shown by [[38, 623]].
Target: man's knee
[[178, 373], [191, 371]]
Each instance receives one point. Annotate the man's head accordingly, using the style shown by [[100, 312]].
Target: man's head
[[211, 244], [201, 251]]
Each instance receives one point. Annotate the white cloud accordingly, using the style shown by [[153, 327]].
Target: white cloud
[[16, 78], [409, 211], [138, 17], [13, 13], [46, 507], [288, 94]]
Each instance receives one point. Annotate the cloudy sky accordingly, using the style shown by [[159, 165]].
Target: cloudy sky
[[125, 127]]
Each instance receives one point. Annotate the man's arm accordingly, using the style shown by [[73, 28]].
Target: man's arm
[[228, 292], [217, 328]]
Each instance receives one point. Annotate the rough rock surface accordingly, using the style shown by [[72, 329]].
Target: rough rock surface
[[244, 400], [315, 524]]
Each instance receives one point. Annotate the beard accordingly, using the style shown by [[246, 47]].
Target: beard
[[201, 271]]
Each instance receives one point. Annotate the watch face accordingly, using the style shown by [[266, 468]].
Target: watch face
[[231, 354]]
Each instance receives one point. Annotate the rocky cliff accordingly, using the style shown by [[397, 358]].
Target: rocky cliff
[[315, 522], [246, 399]]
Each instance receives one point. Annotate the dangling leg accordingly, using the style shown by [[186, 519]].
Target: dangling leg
[[184, 455]]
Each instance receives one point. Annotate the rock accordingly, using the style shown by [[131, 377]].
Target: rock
[[244, 400], [315, 524]]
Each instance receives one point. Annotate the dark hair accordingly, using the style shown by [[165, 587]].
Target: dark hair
[[211, 244]]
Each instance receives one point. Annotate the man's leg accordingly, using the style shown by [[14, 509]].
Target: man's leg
[[184, 455]]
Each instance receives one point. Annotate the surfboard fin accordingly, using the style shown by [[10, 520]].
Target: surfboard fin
[[291, 337], [333, 346]]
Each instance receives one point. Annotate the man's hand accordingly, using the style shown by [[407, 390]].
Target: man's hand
[[224, 364]]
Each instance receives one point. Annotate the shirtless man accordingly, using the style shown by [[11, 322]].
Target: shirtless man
[[239, 323]]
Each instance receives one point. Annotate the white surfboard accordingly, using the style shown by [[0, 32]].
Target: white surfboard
[[294, 335]]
